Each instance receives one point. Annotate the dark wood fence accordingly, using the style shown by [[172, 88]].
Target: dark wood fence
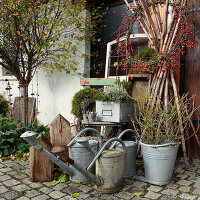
[[191, 81]]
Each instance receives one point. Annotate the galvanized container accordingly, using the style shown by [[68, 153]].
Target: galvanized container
[[83, 155], [82, 151], [130, 166], [110, 167], [131, 152], [159, 161], [113, 112]]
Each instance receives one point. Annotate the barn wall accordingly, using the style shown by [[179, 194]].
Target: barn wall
[[192, 77]]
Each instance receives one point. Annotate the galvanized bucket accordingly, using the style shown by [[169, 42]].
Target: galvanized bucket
[[159, 161], [83, 151], [131, 152], [110, 167]]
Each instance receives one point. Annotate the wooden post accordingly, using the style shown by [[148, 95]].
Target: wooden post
[[41, 167], [60, 131], [18, 109]]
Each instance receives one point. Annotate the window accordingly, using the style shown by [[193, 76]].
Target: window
[[140, 42], [103, 64]]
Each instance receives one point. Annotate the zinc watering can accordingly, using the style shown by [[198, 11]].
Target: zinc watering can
[[108, 181], [131, 149], [83, 151]]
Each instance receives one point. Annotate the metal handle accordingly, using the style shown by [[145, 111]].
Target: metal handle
[[83, 131], [104, 146], [122, 133]]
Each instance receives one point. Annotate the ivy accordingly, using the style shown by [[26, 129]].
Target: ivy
[[79, 97]]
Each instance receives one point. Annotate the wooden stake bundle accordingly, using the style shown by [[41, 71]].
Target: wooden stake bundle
[[162, 34]]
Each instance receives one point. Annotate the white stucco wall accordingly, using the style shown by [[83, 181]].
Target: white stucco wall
[[55, 92]]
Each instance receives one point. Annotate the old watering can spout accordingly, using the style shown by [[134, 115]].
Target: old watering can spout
[[31, 138], [104, 182]]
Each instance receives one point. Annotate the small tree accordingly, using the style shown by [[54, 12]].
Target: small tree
[[41, 33]]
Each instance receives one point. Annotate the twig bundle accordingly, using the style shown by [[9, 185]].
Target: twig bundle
[[167, 33]]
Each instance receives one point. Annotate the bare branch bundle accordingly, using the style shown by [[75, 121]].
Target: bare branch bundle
[[162, 124], [163, 31]]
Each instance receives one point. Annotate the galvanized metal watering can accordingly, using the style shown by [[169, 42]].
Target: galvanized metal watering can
[[110, 166], [131, 148], [83, 151], [107, 181]]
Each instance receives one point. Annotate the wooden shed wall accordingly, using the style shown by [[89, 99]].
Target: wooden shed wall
[[191, 80]]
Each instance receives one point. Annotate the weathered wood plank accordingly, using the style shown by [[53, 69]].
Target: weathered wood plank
[[41, 167], [191, 79], [60, 131], [18, 109]]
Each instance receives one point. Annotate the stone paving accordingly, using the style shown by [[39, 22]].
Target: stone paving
[[15, 184]]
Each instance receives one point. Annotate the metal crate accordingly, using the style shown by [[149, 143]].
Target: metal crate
[[113, 112]]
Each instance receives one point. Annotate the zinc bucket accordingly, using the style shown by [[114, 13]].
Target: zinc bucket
[[159, 161]]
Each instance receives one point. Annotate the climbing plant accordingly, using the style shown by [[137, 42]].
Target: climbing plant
[[169, 30]]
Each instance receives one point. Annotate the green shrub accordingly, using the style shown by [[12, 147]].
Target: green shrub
[[146, 60], [4, 107], [10, 131], [82, 95], [147, 54], [116, 93]]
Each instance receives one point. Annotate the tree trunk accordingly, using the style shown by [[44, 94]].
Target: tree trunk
[[24, 95]]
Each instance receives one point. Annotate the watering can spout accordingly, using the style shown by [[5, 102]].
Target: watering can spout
[[103, 181], [31, 138]]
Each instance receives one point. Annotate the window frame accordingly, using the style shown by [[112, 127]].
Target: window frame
[[108, 49]]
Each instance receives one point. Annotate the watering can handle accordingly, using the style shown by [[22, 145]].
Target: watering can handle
[[104, 146], [122, 133], [83, 131]]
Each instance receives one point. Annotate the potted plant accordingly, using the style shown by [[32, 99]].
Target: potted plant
[[115, 105], [83, 102], [158, 128]]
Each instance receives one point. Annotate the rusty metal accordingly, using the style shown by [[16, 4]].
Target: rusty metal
[[110, 167]]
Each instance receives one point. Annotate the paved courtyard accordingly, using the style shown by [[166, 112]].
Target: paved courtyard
[[15, 184]]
